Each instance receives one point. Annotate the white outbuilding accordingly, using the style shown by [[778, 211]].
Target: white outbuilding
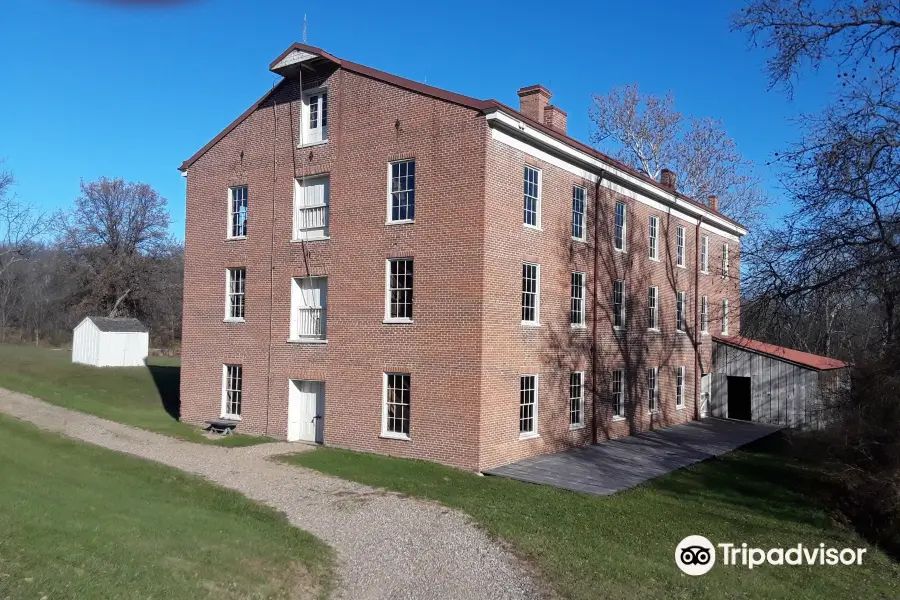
[[108, 342]]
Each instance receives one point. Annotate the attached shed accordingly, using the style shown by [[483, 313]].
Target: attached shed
[[755, 381], [108, 342]]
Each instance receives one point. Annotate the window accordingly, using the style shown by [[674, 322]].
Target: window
[[619, 304], [232, 391], [528, 399], [653, 388], [577, 317], [680, 308], [311, 207], [237, 211], [399, 290], [308, 301], [679, 246], [654, 237], [403, 192], [234, 301], [704, 314], [621, 217], [679, 387], [530, 293], [315, 117], [395, 412], [704, 254], [576, 399], [725, 316], [532, 197], [618, 394], [653, 307], [724, 260], [578, 196]]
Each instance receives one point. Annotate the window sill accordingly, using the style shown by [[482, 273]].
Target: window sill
[[617, 418], [619, 330], [680, 407], [654, 259], [681, 331], [582, 240], [530, 324], [387, 435], [702, 272], [236, 238], [231, 417], [312, 144], [234, 320], [311, 239], [704, 333], [398, 322], [533, 227], [621, 250], [653, 413], [306, 341], [653, 330], [400, 222], [528, 436], [681, 266], [576, 427], [578, 326]]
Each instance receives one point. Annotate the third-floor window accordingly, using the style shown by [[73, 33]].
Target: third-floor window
[[403, 192], [578, 210], [532, 188], [311, 207]]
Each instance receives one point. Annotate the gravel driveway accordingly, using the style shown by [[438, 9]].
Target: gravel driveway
[[388, 547]]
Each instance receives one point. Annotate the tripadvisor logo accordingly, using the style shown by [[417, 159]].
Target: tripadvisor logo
[[696, 555]]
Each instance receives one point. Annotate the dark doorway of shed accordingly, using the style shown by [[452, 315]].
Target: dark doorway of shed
[[739, 398]]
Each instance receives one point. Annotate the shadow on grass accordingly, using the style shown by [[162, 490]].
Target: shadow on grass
[[168, 383]]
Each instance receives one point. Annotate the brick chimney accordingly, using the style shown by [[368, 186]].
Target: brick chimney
[[667, 178], [555, 118], [714, 203], [533, 100]]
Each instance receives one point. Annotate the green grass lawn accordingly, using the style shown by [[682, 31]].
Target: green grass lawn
[[79, 521], [623, 546], [145, 397]]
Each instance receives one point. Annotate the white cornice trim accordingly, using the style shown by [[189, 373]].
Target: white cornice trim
[[548, 148]]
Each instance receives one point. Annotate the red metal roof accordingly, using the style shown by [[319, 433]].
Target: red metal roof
[[804, 359], [454, 98]]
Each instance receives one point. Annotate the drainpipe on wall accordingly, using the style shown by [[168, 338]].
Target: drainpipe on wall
[[594, 308], [697, 333]]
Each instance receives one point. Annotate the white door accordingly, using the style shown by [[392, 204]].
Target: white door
[[704, 395], [306, 408]]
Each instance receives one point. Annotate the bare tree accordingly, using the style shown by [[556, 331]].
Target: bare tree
[[649, 134]]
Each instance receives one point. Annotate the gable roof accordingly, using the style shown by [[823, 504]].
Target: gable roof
[[803, 359], [123, 325], [304, 51]]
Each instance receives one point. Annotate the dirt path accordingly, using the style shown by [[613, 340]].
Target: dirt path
[[388, 546]]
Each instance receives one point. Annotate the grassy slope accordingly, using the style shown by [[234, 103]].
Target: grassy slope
[[79, 521], [623, 546], [145, 397]]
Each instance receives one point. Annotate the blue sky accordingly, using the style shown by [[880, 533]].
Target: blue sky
[[93, 87]]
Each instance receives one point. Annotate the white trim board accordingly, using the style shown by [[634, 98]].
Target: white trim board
[[673, 204]]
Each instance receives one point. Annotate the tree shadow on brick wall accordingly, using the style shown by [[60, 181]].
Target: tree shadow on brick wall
[[167, 379]]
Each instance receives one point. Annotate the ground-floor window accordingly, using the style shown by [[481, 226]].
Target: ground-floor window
[[653, 388], [576, 398], [679, 387], [618, 393], [528, 398], [395, 412], [232, 390]]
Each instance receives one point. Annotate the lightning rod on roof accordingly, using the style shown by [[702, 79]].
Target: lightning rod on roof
[[304, 28]]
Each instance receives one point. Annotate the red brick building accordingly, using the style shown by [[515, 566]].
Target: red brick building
[[382, 265]]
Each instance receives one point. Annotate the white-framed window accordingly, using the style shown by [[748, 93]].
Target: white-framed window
[[315, 117], [531, 293], [577, 313], [309, 299], [402, 191], [654, 237], [653, 307], [679, 387], [232, 391], [680, 311], [725, 260], [704, 314], [532, 197], [576, 399], [653, 389], [618, 393], [704, 254], [679, 246], [237, 211], [236, 286], [620, 226], [619, 304], [528, 405], [399, 298], [395, 414], [579, 194], [312, 198], [725, 316]]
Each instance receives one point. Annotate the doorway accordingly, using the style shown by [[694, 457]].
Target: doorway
[[739, 405], [306, 411], [704, 395]]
